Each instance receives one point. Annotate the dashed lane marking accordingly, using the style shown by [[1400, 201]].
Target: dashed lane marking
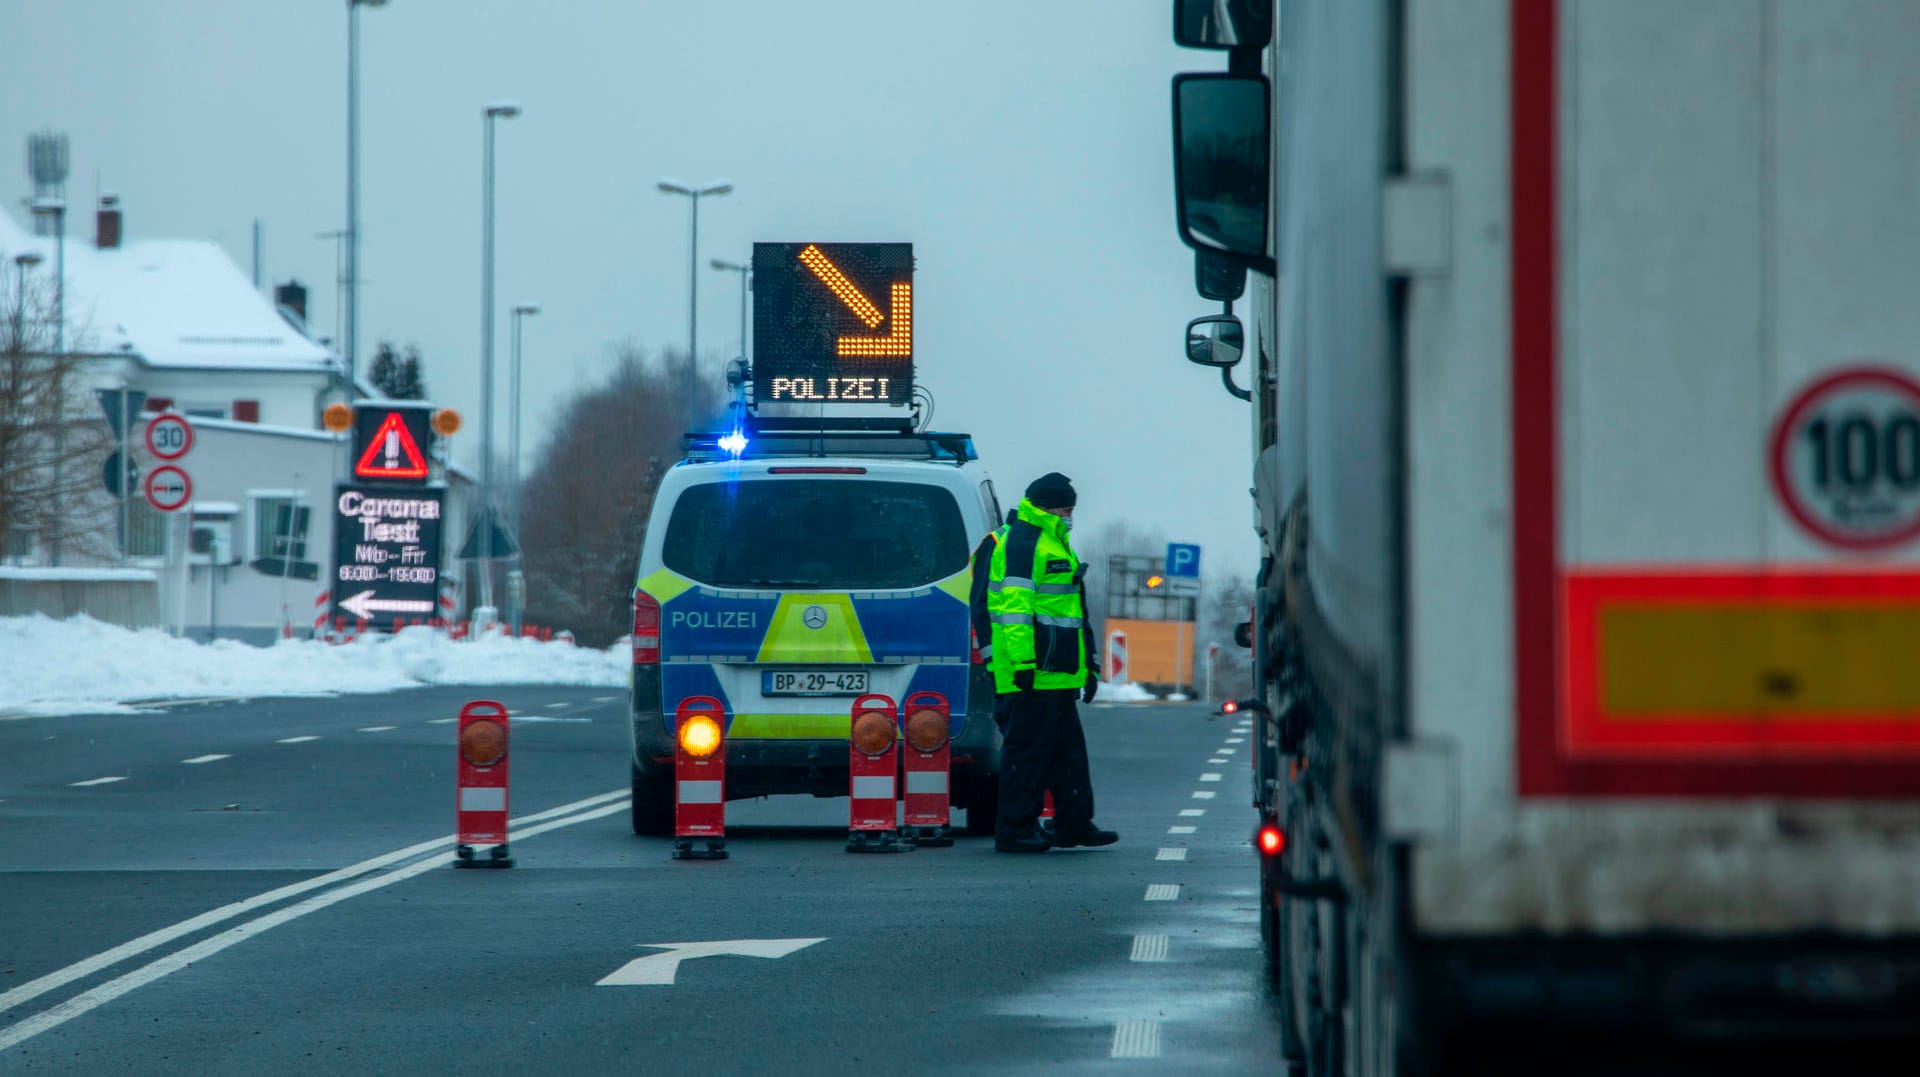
[[1210, 776], [1236, 740], [1149, 948], [296, 740], [1163, 892], [1136, 1039], [1225, 751], [1204, 794], [605, 699], [1218, 761], [1192, 813], [375, 728], [198, 759], [101, 781], [1182, 829], [1170, 854], [579, 811], [558, 705], [441, 721]]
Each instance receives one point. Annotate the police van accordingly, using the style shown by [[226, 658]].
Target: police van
[[786, 572]]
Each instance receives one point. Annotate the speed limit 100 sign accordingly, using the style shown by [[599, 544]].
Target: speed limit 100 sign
[[1845, 458], [169, 436]]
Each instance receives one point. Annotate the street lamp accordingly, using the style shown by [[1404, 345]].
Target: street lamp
[[498, 111], [339, 237], [746, 284], [350, 349], [693, 258], [57, 209]]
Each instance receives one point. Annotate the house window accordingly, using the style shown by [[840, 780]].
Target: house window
[[205, 411], [146, 530], [246, 411], [279, 526]]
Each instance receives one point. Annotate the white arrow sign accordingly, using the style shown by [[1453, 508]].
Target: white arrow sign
[[364, 605], [657, 970]]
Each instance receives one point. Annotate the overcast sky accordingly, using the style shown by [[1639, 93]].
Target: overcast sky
[[1022, 147]]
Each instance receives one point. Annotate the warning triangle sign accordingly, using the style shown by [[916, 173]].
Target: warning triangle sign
[[391, 453]]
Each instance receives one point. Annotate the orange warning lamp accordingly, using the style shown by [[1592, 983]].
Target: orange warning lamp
[[446, 422], [1154, 581], [337, 418]]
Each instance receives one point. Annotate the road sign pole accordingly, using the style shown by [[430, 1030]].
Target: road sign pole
[[126, 485]]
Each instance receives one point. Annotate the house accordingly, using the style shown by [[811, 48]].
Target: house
[[178, 321]]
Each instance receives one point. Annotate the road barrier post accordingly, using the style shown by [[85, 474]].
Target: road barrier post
[[699, 779], [480, 805], [927, 727], [873, 762]]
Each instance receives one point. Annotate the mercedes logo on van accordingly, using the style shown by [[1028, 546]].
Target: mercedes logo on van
[[815, 617]]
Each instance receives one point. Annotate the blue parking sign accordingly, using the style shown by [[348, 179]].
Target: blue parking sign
[[1183, 560]]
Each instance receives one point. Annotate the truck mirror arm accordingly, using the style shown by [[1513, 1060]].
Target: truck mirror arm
[[1226, 379]]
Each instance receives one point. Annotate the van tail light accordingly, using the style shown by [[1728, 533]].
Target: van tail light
[[646, 629]]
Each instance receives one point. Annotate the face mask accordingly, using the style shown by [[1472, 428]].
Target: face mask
[[1066, 523]]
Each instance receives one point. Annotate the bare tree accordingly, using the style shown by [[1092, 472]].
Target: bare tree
[[53, 445], [585, 504], [1228, 603]]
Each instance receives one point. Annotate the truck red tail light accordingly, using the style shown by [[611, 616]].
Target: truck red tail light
[[1272, 840], [646, 629]]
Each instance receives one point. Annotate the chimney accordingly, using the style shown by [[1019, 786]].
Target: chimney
[[291, 296], [106, 235]]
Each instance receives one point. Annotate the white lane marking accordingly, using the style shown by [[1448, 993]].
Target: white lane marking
[[441, 721], [376, 728], [1192, 813], [193, 701], [1170, 854], [658, 970], [1236, 740], [1219, 761], [198, 759], [100, 781], [55, 1016], [61, 977], [1210, 776], [1225, 751], [1181, 829], [1163, 892], [1149, 948], [296, 740], [554, 706], [1204, 794], [1136, 1039], [605, 699]]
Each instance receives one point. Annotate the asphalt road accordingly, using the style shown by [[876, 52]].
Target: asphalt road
[[266, 887]]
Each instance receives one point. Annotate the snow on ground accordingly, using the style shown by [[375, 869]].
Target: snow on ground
[[1122, 693], [83, 666]]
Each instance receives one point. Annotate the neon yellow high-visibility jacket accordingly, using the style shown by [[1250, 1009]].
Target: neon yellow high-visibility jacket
[[1034, 605]]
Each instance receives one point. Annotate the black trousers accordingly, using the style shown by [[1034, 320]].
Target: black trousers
[[1045, 749]]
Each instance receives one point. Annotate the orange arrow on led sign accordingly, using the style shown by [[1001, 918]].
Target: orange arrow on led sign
[[899, 338]]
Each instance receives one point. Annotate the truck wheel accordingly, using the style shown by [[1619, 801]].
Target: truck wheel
[[652, 806], [983, 808]]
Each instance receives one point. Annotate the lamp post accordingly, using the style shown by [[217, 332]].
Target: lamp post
[[339, 237], [693, 257], [57, 209], [746, 284], [496, 111], [350, 349]]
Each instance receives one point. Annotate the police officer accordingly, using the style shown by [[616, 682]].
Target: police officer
[[1043, 656]]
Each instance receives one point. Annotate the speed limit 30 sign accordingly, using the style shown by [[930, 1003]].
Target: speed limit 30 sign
[[169, 436], [1845, 458]]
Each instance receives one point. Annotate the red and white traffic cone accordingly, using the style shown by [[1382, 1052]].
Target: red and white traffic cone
[[873, 762], [926, 724], [480, 782], [699, 779]]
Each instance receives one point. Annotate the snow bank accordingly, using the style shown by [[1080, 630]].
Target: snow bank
[[72, 575], [82, 666], [1122, 693]]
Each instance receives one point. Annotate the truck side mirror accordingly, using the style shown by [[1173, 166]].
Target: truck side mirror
[[1243, 634], [1218, 277], [1215, 340], [1220, 150], [1211, 24]]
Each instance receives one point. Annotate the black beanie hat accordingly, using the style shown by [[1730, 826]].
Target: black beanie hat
[[1052, 491]]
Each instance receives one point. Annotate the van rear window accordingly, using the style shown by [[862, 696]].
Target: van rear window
[[834, 534]]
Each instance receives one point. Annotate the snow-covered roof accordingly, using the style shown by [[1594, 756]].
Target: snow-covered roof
[[170, 303]]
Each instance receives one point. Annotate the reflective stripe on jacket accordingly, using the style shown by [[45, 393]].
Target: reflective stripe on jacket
[[1034, 606]]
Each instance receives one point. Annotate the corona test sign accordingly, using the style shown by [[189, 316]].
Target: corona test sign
[[833, 323]]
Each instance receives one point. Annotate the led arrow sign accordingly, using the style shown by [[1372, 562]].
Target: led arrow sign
[[819, 336]]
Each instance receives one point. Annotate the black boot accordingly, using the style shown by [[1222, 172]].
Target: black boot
[[1032, 841], [1090, 836]]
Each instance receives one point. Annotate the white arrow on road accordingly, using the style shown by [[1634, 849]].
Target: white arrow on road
[[364, 605], [659, 969]]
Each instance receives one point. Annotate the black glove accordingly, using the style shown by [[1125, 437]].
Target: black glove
[[1092, 686], [1023, 680]]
